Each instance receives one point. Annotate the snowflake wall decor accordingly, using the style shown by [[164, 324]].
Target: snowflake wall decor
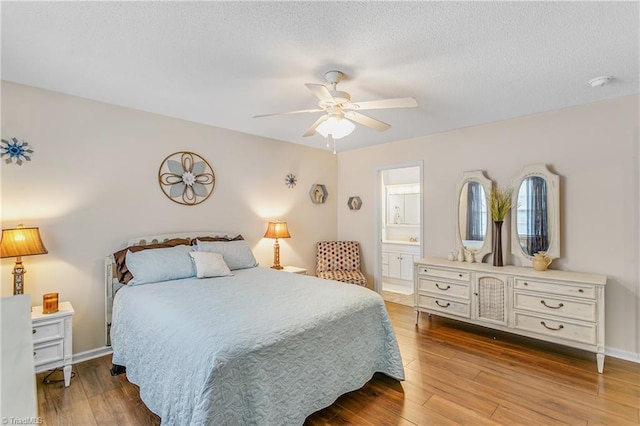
[[291, 180], [15, 151], [186, 178]]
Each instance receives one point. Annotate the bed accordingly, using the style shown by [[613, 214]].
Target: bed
[[260, 346]]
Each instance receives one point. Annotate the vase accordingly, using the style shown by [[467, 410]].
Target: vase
[[497, 243]]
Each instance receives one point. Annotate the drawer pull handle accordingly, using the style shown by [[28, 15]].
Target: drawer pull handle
[[580, 290], [552, 307], [34, 354], [443, 288], [460, 275], [526, 283], [34, 331], [560, 327], [443, 306]]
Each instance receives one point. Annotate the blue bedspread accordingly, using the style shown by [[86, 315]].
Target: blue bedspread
[[262, 347]]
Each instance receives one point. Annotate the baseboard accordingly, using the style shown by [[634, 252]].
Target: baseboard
[[91, 354], [626, 355]]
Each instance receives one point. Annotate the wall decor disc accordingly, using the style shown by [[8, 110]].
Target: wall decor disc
[[186, 178], [15, 151], [291, 180]]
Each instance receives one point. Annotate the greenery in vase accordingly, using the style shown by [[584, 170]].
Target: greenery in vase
[[500, 202]]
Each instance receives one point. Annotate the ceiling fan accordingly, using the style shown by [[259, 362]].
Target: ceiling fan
[[340, 113]]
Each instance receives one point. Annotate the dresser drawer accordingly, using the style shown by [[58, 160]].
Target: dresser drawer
[[544, 303], [48, 331], [444, 273], [462, 309], [583, 333], [45, 353], [443, 288], [576, 290]]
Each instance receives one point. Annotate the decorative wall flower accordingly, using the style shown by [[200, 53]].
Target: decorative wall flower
[[15, 151], [290, 180], [186, 178]]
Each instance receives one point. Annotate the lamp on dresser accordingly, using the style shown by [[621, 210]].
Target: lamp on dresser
[[18, 242], [277, 229]]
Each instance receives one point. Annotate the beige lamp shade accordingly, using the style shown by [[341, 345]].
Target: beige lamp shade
[[21, 242], [277, 230]]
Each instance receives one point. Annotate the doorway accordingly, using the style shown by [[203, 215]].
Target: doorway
[[399, 230]]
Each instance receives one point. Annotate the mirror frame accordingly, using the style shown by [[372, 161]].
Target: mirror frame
[[487, 184], [553, 200]]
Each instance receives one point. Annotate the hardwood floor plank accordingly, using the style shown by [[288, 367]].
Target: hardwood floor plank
[[517, 415], [94, 381], [63, 406], [455, 374], [593, 410], [491, 393], [456, 412]]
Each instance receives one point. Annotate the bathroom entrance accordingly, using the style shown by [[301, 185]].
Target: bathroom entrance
[[399, 227]]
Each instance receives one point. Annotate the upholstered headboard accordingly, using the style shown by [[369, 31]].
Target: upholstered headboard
[[112, 285]]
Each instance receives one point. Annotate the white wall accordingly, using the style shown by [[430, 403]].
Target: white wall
[[594, 148], [92, 185]]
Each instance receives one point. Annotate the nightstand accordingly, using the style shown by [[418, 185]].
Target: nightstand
[[52, 339], [295, 270]]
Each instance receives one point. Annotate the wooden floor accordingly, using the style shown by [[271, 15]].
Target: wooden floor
[[455, 374]]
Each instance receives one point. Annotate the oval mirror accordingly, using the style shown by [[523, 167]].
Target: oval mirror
[[535, 216], [473, 228]]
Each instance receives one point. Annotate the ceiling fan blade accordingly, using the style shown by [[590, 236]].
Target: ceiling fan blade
[[289, 112], [384, 103], [367, 121], [312, 129], [321, 92]]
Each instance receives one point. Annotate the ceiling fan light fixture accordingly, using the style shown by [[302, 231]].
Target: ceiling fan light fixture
[[336, 126]]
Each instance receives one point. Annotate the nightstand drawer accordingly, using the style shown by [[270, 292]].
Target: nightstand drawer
[[48, 352], [46, 331]]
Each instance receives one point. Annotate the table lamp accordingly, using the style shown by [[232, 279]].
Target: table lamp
[[18, 242], [277, 230]]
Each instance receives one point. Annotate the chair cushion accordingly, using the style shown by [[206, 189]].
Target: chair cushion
[[338, 255], [352, 277]]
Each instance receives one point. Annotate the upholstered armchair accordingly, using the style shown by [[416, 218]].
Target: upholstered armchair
[[339, 261]]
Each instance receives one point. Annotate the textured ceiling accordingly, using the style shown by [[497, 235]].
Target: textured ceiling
[[220, 63]]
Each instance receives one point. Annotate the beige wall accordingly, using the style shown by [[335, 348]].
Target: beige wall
[[594, 148], [92, 185]]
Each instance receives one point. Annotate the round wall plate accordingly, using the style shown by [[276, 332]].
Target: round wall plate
[[186, 178]]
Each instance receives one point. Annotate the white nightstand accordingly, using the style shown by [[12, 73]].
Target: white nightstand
[[52, 339], [295, 270]]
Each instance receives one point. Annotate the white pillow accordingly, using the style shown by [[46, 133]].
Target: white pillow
[[163, 264], [209, 264], [237, 254]]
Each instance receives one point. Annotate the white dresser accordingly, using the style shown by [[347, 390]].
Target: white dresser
[[556, 306]]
